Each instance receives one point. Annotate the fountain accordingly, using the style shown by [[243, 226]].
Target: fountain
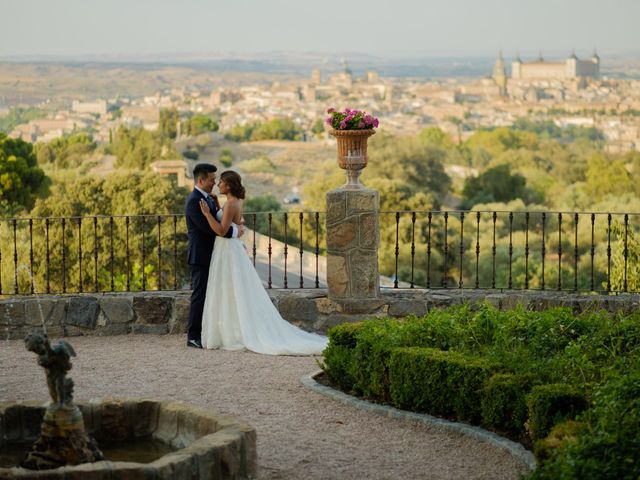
[[138, 438], [63, 439]]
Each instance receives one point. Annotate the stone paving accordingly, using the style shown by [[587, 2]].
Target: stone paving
[[301, 434]]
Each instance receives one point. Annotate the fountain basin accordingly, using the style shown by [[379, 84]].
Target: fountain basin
[[193, 442]]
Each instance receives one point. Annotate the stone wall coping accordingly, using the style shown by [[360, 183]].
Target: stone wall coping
[[162, 312]]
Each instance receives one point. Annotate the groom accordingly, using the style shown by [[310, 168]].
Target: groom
[[200, 245]]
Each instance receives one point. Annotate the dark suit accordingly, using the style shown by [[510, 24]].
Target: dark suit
[[200, 247]]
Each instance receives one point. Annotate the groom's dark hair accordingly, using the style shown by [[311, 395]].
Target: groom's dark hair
[[203, 169]]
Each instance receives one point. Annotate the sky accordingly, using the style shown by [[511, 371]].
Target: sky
[[75, 28]]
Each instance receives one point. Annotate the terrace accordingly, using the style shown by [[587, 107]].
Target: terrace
[[432, 258]]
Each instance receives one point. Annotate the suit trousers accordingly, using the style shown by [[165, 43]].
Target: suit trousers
[[199, 277]]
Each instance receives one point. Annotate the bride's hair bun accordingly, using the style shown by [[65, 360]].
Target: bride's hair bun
[[234, 182]]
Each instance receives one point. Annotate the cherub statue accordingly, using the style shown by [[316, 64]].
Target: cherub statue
[[56, 362]]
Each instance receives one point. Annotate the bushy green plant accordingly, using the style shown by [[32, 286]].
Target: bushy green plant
[[338, 358], [476, 362], [609, 446], [504, 403], [438, 382], [551, 404], [561, 436]]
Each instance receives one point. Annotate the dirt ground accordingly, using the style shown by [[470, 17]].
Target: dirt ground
[[301, 434]]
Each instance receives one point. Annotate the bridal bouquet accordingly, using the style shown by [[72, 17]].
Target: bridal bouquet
[[351, 120]]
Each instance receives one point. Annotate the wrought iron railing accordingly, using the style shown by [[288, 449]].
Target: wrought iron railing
[[495, 250], [564, 251], [146, 252]]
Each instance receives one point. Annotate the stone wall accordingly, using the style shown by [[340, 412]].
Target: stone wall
[[311, 309]]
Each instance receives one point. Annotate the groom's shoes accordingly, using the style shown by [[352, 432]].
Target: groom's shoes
[[194, 343]]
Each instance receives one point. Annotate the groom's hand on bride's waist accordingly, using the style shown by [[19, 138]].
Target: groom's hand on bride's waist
[[241, 229]]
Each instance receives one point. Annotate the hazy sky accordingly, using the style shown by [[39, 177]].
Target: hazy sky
[[386, 27]]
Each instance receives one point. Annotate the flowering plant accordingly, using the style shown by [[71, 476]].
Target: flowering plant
[[350, 120]]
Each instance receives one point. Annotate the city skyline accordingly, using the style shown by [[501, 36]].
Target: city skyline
[[77, 28]]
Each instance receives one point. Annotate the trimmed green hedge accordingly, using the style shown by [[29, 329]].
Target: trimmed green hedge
[[339, 355], [608, 446], [503, 402], [438, 382], [515, 371], [551, 404]]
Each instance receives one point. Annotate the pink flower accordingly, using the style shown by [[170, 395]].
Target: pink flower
[[349, 119]]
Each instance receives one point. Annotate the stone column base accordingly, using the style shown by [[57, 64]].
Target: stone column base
[[352, 245]]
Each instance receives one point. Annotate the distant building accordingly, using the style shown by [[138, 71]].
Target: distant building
[[343, 79], [500, 75], [571, 68], [316, 76], [372, 77], [98, 106], [172, 167]]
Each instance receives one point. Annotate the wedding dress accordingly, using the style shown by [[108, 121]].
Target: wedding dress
[[238, 313]]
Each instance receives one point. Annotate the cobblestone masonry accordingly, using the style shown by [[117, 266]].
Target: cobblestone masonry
[[311, 309]]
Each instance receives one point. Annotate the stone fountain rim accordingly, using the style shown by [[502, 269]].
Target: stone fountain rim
[[230, 429]]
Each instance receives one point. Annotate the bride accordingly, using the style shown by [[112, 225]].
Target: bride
[[238, 313]]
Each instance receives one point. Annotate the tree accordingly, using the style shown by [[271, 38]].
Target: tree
[[318, 127], [417, 167], [19, 116], [71, 150], [496, 184], [199, 124], [458, 123], [191, 154], [45, 154], [605, 177], [277, 129], [132, 246], [226, 157], [137, 148], [168, 123], [436, 137], [20, 177]]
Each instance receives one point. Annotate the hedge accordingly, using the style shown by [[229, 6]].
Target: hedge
[[438, 382]]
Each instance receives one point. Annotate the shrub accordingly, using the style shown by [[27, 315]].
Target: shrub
[[504, 403], [191, 154], [438, 382], [371, 357], [609, 446], [551, 404], [339, 355], [561, 436]]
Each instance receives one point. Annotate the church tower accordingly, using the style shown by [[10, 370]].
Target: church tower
[[500, 75]]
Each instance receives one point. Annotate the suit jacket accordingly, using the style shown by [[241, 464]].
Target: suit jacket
[[200, 236]]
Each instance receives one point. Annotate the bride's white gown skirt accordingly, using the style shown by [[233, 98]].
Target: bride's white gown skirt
[[238, 313]]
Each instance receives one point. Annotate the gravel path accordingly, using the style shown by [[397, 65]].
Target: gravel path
[[301, 434]]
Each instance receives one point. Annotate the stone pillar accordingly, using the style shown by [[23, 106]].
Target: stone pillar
[[352, 246]]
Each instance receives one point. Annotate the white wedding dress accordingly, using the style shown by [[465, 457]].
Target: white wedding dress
[[238, 313]]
